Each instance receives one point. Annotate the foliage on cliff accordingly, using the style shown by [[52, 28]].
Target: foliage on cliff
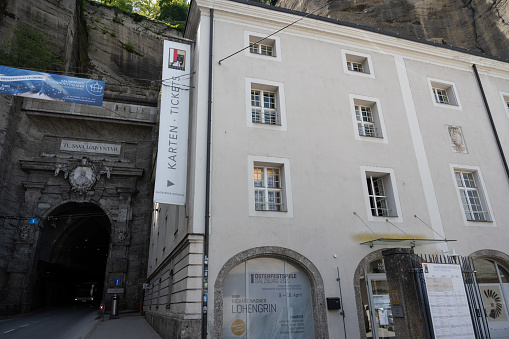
[[164, 10], [173, 10], [29, 49]]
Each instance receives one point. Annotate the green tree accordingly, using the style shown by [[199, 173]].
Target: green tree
[[169, 11], [173, 10], [125, 5], [29, 49], [147, 8]]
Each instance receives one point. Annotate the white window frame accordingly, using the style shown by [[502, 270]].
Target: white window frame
[[378, 118], [361, 58], [391, 193], [481, 191], [264, 102], [269, 188], [505, 101], [270, 86], [286, 186], [450, 88], [259, 47], [274, 41]]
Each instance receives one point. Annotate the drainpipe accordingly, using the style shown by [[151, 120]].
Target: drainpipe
[[499, 145], [207, 189]]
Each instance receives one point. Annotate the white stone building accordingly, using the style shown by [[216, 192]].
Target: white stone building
[[324, 138]]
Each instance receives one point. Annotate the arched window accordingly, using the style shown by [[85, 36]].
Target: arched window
[[267, 298], [493, 279]]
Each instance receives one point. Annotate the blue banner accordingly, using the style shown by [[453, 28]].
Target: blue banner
[[48, 86]]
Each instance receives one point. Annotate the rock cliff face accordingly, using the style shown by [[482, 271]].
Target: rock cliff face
[[125, 48], [93, 39], [479, 25]]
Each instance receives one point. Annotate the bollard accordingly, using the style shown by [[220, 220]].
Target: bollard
[[102, 307], [114, 308]]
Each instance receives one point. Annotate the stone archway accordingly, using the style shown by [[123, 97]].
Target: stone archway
[[108, 200], [492, 274], [73, 252], [284, 254], [491, 254], [358, 276]]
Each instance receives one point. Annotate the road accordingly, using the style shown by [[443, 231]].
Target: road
[[60, 323]]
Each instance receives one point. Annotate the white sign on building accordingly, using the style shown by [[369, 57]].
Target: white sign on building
[[89, 147], [171, 170], [448, 302], [267, 298]]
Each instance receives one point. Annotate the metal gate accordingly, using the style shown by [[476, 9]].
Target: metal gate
[[477, 313]]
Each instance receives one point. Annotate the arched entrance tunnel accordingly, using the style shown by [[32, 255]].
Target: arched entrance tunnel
[[72, 256]]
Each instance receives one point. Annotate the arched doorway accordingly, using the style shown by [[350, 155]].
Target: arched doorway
[[269, 292], [492, 270], [373, 301], [73, 255]]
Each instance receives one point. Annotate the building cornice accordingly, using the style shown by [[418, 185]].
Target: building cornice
[[330, 29], [182, 245], [52, 165]]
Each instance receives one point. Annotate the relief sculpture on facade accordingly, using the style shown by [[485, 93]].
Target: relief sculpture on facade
[[83, 175], [457, 140]]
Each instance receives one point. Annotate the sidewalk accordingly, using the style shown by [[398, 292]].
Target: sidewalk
[[127, 326]]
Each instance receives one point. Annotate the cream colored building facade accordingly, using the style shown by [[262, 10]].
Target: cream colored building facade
[[325, 136]]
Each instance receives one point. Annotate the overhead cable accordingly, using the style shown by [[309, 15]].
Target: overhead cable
[[279, 30]]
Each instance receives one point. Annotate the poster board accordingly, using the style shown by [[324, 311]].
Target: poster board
[[448, 302], [267, 298]]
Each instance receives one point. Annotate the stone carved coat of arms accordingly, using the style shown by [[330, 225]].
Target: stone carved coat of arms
[[83, 176]]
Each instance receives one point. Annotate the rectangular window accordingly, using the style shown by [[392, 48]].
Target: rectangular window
[[357, 64], [382, 199], [472, 196], [263, 107], [441, 96], [262, 47], [368, 119], [267, 183], [377, 198], [270, 191], [471, 199], [365, 121], [265, 104], [444, 93]]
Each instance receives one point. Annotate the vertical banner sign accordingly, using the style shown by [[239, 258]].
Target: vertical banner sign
[[448, 302], [171, 170]]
